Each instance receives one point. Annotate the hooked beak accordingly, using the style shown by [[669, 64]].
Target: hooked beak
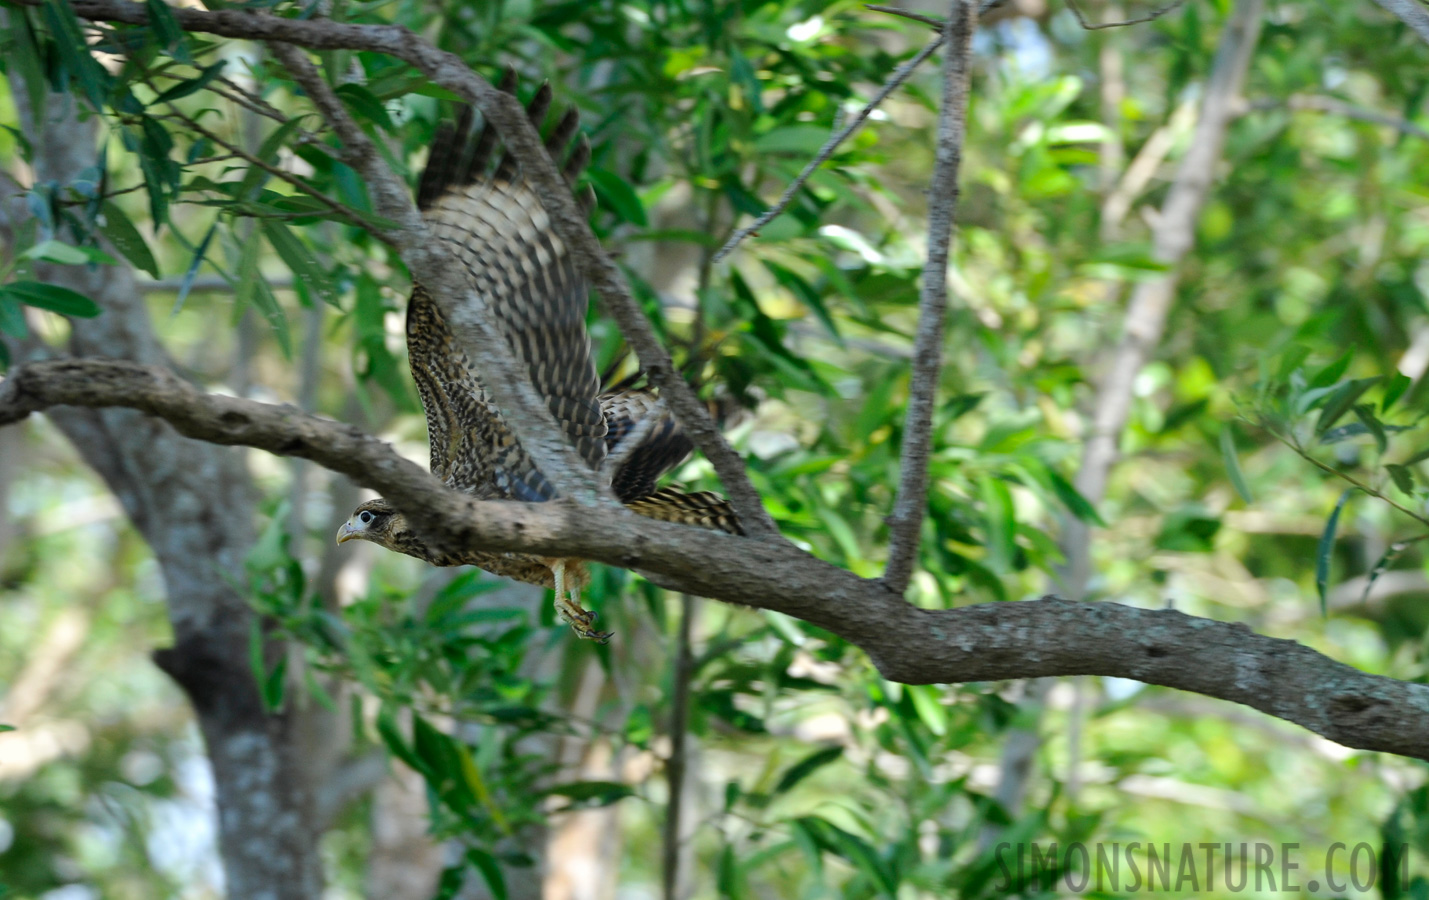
[[346, 532]]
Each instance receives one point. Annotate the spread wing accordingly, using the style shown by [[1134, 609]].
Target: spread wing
[[501, 235]]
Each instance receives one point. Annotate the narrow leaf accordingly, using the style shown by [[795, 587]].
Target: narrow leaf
[[490, 870], [300, 260], [1402, 476], [192, 85], [1232, 461], [1340, 400], [187, 283], [54, 298], [1326, 549], [120, 231], [1332, 373], [806, 767], [1398, 384], [1365, 413], [616, 194], [1071, 498], [12, 317]]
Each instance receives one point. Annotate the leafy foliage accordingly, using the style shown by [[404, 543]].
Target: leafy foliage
[[822, 778]]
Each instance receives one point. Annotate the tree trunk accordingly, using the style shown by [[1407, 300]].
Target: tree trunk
[[193, 504]]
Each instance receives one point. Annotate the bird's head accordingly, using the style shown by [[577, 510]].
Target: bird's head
[[374, 521]]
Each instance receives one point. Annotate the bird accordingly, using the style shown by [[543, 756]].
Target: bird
[[498, 230]]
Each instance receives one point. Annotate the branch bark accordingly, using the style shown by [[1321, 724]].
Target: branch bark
[[988, 642], [905, 525]]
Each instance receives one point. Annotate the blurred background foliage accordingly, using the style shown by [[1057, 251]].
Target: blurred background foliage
[[1293, 362]]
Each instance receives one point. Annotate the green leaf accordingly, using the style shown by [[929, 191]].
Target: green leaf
[[187, 282], [74, 51], [5, 728], [806, 295], [471, 777], [120, 231], [1398, 384], [392, 736], [275, 686], [27, 58], [490, 870], [1326, 548], [1365, 413], [267, 152], [926, 699], [1340, 400], [365, 104], [191, 85], [56, 252], [12, 317], [165, 27], [1382, 565], [1232, 462], [806, 767], [300, 260], [616, 194], [1000, 523], [1071, 498], [1332, 373], [53, 297], [1402, 476], [592, 794]]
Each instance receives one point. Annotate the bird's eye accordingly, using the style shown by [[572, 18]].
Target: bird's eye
[[365, 517]]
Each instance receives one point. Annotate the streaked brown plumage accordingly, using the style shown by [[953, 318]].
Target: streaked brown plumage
[[499, 232]]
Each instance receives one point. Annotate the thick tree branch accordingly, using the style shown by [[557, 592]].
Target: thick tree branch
[[905, 525], [509, 117], [989, 642]]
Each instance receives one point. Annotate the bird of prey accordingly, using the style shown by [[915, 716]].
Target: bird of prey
[[499, 232]]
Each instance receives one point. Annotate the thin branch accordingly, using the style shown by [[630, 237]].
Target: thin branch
[[986, 642], [900, 75], [905, 525], [1149, 17], [930, 21], [1315, 103], [681, 676], [347, 214]]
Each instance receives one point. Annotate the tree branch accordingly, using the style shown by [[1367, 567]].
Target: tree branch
[[509, 117], [900, 75], [988, 642], [905, 525]]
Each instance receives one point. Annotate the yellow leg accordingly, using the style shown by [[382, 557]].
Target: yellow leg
[[570, 610]]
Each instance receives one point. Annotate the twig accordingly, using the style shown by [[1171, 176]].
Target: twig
[[899, 76], [1350, 480], [675, 767], [1149, 17], [1314, 103], [906, 523], [908, 14], [345, 213]]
